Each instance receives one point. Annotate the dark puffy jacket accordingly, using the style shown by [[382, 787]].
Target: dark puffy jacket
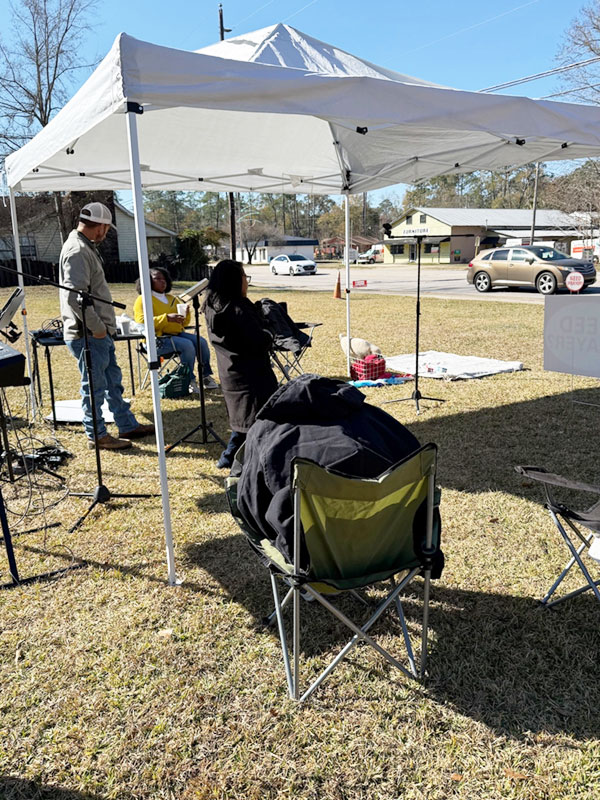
[[325, 420]]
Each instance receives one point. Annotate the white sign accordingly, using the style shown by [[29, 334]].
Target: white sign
[[572, 335], [574, 281]]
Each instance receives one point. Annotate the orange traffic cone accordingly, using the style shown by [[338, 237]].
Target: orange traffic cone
[[337, 292]]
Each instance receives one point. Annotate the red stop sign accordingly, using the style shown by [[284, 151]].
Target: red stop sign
[[574, 281]]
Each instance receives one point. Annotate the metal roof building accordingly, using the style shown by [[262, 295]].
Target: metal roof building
[[454, 235]]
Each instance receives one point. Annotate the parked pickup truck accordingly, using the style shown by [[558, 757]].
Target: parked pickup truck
[[372, 256]]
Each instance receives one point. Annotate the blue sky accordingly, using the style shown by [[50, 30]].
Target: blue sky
[[468, 44]]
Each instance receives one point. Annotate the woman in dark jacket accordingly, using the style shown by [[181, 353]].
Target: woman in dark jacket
[[237, 332]]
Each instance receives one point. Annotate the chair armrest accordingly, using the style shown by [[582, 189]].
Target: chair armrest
[[551, 478]]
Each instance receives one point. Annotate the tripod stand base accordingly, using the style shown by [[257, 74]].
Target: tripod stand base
[[417, 397], [207, 431], [101, 495], [44, 576]]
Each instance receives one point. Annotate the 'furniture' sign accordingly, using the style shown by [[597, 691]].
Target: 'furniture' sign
[[572, 335]]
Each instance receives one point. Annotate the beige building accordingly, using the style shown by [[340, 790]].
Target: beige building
[[455, 235]]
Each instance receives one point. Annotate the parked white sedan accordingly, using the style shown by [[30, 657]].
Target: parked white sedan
[[292, 265]]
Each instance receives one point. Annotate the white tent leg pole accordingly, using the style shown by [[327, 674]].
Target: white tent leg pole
[[142, 250], [15, 229], [347, 265]]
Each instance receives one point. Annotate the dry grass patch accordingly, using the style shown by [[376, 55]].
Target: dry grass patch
[[115, 685]]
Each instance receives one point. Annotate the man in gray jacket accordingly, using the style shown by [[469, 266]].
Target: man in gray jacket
[[81, 269]]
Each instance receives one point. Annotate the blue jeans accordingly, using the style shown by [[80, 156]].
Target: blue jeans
[[236, 440], [185, 344], [108, 384]]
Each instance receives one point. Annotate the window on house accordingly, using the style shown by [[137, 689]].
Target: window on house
[[409, 220], [423, 218], [7, 250], [397, 249], [428, 248]]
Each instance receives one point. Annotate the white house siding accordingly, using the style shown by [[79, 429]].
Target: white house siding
[[126, 234], [48, 243]]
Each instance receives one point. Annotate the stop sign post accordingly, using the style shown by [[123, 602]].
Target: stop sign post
[[574, 281]]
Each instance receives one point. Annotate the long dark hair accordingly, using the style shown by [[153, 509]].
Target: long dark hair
[[166, 275], [224, 284]]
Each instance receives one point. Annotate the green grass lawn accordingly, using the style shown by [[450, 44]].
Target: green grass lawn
[[115, 685]]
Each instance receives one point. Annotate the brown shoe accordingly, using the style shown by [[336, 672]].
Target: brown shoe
[[108, 442], [138, 433]]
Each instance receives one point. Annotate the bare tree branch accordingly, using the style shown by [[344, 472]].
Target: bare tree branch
[[40, 64]]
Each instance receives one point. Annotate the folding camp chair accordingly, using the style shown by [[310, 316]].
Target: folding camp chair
[[350, 533], [579, 543], [291, 339], [168, 357], [288, 362]]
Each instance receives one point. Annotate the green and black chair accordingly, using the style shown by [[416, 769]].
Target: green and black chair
[[351, 533]]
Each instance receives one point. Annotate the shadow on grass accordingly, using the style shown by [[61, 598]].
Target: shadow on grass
[[20, 789], [515, 666], [479, 449], [497, 658]]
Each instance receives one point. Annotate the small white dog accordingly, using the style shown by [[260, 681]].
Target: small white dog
[[359, 348]]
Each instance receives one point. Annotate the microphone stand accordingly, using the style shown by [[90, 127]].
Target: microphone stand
[[416, 395], [101, 493], [204, 426]]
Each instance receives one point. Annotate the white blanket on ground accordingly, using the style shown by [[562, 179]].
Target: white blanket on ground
[[450, 367]]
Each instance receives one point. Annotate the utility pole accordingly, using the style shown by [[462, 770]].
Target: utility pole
[[535, 196], [233, 246]]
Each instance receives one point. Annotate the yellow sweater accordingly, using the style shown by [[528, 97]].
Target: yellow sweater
[[162, 326]]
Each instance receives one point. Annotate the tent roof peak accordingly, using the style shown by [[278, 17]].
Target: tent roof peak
[[284, 46]]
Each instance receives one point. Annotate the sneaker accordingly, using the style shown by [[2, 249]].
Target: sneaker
[[194, 388], [209, 382], [108, 442], [139, 432]]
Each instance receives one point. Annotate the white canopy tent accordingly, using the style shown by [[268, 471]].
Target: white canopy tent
[[157, 118]]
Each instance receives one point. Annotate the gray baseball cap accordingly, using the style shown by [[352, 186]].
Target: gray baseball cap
[[96, 212]]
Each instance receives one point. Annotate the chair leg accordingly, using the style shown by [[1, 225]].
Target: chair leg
[[360, 633], [280, 365], [282, 637], [424, 635], [576, 557], [403, 625], [360, 599], [296, 646], [562, 576], [273, 615]]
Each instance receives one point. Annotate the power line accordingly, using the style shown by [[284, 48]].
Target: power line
[[539, 75], [253, 14], [570, 91], [299, 10], [471, 27]]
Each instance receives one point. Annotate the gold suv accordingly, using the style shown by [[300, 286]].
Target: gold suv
[[537, 265]]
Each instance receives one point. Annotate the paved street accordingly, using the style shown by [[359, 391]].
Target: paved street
[[443, 282]]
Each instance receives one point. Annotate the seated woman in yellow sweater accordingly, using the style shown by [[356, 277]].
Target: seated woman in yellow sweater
[[169, 327]]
